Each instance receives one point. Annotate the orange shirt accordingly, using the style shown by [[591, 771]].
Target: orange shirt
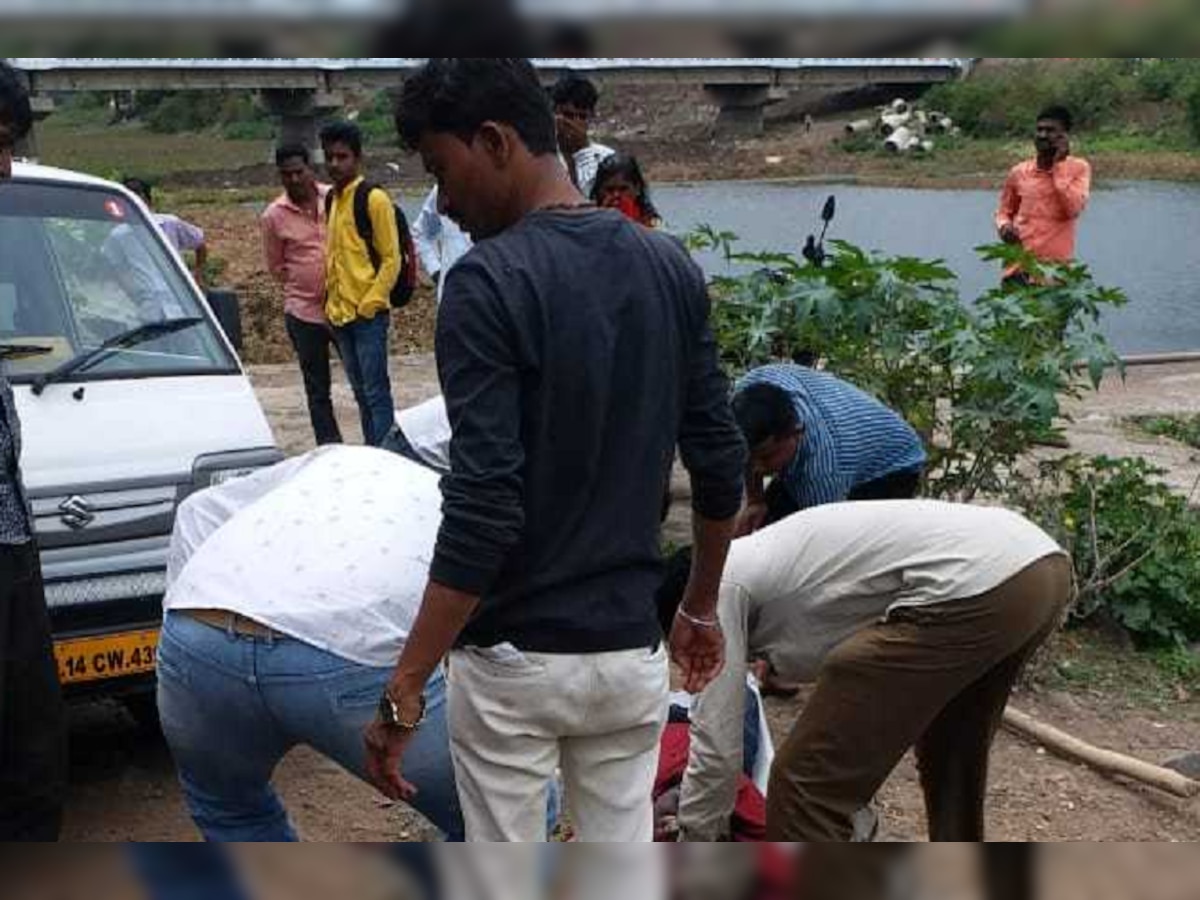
[[1045, 207]]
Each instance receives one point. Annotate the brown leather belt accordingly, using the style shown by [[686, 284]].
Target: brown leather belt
[[232, 622]]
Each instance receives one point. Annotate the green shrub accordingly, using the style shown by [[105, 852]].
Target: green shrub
[[1006, 102], [184, 111], [1134, 542], [983, 383], [378, 121], [1185, 429], [248, 131]]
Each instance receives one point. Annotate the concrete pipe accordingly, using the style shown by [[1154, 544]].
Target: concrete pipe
[[892, 122], [901, 140], [860, 126]]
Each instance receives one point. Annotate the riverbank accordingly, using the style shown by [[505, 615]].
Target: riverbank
[[1092, 685], [669, 128]]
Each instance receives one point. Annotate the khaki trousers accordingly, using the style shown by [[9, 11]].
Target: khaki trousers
[[936, 677]]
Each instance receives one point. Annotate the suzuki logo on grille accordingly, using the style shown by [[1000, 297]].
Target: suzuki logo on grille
[[76, 513]]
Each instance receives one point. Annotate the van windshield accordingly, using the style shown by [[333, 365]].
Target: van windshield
[[81, 265]]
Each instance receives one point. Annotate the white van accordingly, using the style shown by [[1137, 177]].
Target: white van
[[131, 397]]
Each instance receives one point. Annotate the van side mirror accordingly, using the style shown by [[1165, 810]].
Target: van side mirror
[[228, 311]]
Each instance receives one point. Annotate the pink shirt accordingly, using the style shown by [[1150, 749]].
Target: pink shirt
[[295, 248], [1045, 207]]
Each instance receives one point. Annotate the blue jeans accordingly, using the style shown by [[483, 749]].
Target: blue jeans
[[363, 345], [232, 707], [186, 872]]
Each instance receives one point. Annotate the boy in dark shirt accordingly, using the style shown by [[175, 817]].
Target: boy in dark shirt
[[575, 352]]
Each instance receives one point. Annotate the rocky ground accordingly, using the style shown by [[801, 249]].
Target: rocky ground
[[124, 787], [125, 790]]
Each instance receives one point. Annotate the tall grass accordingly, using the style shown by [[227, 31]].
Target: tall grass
[[1107, 97]]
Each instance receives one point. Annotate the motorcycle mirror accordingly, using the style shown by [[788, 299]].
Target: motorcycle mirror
[[830, 211]]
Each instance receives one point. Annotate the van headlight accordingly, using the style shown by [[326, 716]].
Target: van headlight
[[221, 468]]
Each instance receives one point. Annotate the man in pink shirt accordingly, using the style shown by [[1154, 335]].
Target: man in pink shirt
[[294, 238], [1044, 197]]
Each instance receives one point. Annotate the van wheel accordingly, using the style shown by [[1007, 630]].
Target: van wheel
[[143, 708]]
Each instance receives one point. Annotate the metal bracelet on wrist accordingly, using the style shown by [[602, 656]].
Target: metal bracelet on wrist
[[390, 713], [710, 624]]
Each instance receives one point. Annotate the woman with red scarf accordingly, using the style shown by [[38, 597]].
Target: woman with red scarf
[[621, 185]]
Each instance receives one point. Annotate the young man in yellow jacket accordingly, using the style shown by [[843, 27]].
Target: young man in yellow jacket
[[360, 279]]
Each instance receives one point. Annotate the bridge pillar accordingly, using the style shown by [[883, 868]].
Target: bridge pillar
[[43, 106], [299, 114], [743, 108]]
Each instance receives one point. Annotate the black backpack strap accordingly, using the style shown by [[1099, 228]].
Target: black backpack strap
[[362, 219]]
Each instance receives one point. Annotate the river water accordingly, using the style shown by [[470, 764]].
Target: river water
[[1137, 236]]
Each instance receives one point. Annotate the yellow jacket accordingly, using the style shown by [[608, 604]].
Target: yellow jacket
[[354, 289]]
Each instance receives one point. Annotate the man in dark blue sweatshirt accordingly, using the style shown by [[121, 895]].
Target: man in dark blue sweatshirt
[[575, 354]]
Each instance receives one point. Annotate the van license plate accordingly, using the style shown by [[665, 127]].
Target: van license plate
[[110, 656]]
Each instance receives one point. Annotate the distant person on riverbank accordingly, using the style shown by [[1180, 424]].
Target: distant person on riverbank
[[359, 278], [293, 229], [575, 101], [620, 185], [439, 241], [820, 440], [184, 236], [1045, 197]]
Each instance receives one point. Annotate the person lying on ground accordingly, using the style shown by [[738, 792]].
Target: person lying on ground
[[914, 619], [291, 593], [820, 440]]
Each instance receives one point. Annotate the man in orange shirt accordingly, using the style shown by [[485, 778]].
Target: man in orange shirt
[[1044, 197]]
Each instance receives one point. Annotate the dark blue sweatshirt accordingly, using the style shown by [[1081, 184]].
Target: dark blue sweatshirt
[[575, 353]]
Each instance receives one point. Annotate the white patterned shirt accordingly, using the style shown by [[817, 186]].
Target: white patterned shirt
[[332, 549]]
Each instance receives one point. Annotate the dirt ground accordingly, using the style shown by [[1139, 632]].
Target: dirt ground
[[124, 787]]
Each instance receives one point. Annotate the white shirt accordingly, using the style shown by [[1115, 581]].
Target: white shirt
[[587, 164], [440, 242], [427, 429], [795, 591], [127, 250], [332, 549]]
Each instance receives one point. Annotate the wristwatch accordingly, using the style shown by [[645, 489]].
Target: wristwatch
[[390, 715]]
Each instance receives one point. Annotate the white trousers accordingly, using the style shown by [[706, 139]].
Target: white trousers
[[516, 719]]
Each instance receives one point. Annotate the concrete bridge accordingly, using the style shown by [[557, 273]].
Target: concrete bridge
[[300, 91]]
